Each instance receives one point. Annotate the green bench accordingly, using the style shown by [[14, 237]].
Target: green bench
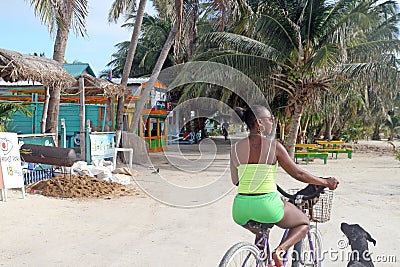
[[310, 154], [348, 151]]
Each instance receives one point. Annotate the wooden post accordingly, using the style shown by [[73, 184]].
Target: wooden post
[[166, 133], [148, 122], [141, 127], [109, 117], [63, 134], [88, 130], [103, 123], [82, 116], [44, 111], [158, 133]]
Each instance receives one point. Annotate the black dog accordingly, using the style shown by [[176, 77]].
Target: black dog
[[308, 191], [358, 240]]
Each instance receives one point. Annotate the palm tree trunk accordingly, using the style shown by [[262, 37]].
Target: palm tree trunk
[[282, 131], [52, 112], [129, 61], [391, 135], [294, 128], [157, 69], [193, 31], [330, 123], [303, 133], [58, 55], [44, 111], [60, 43], [328, 128], [376, 135]]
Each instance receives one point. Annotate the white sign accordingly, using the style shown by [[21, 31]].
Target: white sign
[[102, 146], [10, 159]]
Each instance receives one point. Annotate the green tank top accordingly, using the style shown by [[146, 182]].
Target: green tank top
[[257, 178]]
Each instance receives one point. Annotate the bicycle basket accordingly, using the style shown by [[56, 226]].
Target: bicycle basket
[[319, 211]]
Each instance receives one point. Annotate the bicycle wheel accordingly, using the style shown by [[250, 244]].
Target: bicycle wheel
[[242, 254], [309, 256]]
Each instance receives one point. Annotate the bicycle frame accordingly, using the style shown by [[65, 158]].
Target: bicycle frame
[[313, 254], [265, 254]]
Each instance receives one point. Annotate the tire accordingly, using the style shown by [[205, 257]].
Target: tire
[[242, 254], [306, 255]]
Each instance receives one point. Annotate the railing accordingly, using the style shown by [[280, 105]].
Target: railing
[[31, 175]]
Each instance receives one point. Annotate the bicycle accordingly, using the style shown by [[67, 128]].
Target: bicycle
[[304, 253]]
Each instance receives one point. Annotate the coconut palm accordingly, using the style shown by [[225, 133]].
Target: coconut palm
[[300, 47], [60, 16], [118, 8], [173, 34], [153, 35]]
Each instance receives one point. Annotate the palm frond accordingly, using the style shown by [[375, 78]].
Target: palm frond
[[326, 56], [80, 13], [274, 28], [240, 43], [371, 48], [120, 7], [47, 11]]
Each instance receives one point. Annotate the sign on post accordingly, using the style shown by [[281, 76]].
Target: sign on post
[[102, 145], [10, 160]]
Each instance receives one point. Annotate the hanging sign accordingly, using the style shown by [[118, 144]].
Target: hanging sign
[[10, 160]]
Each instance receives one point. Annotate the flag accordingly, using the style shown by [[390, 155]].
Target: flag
[[110, 75]]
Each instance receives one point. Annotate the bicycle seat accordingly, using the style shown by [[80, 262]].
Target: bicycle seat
[[260, 226]]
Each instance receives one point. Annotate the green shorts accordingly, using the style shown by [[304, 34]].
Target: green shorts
[[267, 208]]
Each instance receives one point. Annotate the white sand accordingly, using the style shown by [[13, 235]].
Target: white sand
[[140, 231]]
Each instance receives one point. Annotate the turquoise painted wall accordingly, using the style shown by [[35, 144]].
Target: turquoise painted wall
[[68, 111]]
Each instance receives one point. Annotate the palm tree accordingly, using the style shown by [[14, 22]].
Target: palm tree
[[173, 34], [7, 109], [119, 7], [154, 34], [60, 16], [300, 47]]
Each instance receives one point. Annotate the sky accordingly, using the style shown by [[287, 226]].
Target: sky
[[21, 31]]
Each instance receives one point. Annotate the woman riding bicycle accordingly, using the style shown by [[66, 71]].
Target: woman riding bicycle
[[253, 165]]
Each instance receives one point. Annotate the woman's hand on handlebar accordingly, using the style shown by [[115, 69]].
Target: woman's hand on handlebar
[[331, 183]]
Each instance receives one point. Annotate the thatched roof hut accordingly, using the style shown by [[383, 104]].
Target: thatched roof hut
[[15, 66], [96, 86]]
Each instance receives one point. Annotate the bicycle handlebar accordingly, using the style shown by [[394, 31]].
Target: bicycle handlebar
[[303, 197]]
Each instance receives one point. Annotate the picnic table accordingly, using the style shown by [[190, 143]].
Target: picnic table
[[333, 147], [348, 151], [310, 155], [333, 144], [305, 146], [322, 146], [308, 151]]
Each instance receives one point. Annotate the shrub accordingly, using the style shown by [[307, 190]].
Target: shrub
[[353, 133]]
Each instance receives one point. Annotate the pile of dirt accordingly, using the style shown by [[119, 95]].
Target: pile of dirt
[[74, 186]]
